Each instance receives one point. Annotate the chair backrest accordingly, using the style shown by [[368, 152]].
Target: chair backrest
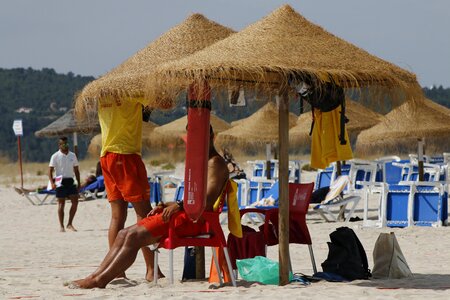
[[300, 197], [323, 178], [337, 187], [179, 192], [361, 170], [258, 189], [394, 171]]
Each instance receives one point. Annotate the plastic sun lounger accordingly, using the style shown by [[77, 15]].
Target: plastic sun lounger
[[94, 190], [334, 200], [38, 197]]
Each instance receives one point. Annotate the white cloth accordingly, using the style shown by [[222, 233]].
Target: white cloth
[[64, 164]]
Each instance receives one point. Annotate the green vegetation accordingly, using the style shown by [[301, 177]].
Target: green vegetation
[[48, 95]]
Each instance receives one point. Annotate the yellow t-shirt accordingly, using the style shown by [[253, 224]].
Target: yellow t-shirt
[[121, 124]]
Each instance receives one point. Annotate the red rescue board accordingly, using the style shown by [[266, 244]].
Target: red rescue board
[[197, 149]]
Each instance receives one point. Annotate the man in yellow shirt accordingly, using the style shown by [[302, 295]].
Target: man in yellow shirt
[[123, 170]]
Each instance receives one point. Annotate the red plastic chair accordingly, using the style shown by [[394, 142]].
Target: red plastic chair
[[211, 235], [299, 198]]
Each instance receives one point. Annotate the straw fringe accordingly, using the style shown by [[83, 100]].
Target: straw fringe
[[128, 79], [269, 53], [400, 129], [254, 131]]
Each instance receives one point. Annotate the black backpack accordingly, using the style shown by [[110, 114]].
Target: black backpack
[[346, 256]]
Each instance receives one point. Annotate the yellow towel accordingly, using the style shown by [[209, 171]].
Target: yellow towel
[[325, 147], [234, 217]]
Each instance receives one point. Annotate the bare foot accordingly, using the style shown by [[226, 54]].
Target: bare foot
[[70, 227], [149, 277], [62, 229], [86, 283]]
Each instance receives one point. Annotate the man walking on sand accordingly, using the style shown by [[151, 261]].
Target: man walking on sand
[[65, 165]]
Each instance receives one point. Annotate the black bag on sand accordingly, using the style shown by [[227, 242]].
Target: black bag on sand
[[189, 269], [346, 256]]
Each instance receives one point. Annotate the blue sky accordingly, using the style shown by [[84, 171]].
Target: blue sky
[[90, 37]]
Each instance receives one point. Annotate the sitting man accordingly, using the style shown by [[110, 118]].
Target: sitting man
[[150, 230]]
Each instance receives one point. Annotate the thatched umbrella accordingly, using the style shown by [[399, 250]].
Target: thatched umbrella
[[401, 128], [360, 118], [252, 133], [128, 79], [170, 134], [273, 54], [95, 145], [68, 124]]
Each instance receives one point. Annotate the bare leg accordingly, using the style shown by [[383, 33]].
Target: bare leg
[[119, 210], [61, 202], [142, 209], [72, 212], [120, 257]]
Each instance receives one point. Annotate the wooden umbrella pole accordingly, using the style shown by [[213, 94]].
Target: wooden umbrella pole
[[75, 144], [19, 152], [420, 159], [283, 177]]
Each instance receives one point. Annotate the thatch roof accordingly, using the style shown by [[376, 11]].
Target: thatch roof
[[95, 145], [360, 118], [172, 132], [252, 133], [400, 129], [67, 124], [279, 47], [128, 79]]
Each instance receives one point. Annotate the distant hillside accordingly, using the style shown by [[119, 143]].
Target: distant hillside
[[38, 97], [439, 94]]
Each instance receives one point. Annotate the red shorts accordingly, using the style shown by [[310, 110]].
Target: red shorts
[[183, 225], [125, 177]]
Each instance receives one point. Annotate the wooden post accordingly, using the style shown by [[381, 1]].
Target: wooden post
[[338, 168], [420, 159], [199, 262], [75, 144], [283, 177], [19, 149], [268, 166], [341, 216]]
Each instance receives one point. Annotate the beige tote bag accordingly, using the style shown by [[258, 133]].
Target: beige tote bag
[[388, 259]]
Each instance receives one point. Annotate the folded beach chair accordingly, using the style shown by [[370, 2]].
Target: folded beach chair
[[38, 197], [95, 190], [415, 203], [335, 202]]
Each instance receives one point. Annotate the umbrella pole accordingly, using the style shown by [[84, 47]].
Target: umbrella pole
[[75, 144], [283, 177], [420, 159], [341, 216]]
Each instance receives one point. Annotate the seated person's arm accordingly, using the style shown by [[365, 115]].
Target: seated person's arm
[[217, 177]]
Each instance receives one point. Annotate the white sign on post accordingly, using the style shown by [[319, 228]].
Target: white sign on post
[[17, 127]]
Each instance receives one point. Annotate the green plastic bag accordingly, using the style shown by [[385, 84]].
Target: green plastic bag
[[260, 269]]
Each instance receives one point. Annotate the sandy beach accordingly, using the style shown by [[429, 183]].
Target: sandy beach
[[37, 261]]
